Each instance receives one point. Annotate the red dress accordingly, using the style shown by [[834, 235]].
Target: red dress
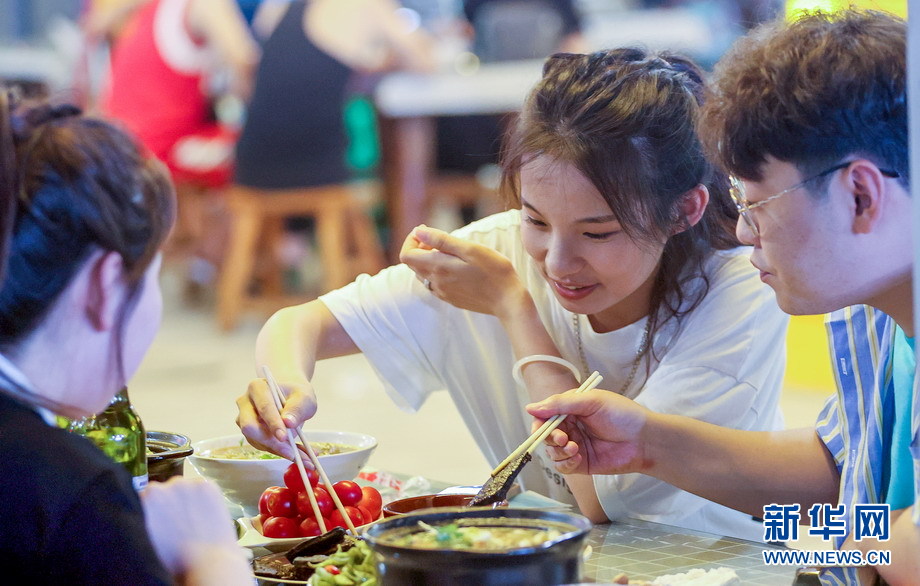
[[158, 90]]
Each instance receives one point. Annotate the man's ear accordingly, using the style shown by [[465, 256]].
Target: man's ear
[[104, 289], [868, 189], [692, 205]]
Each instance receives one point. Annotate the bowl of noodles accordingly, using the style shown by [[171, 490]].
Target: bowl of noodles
[[476, 545], [242, 472]]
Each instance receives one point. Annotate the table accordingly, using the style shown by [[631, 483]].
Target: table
[[644, 551]]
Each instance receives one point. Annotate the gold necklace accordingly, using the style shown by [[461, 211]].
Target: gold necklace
[[643, 346]]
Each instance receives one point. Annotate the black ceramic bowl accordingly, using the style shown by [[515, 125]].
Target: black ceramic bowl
[[166, 453], [558, 561]]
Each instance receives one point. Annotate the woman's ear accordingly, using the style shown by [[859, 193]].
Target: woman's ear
[[692, 205], [104, 289]]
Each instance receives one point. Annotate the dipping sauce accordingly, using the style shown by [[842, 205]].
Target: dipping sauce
[[246, 452]]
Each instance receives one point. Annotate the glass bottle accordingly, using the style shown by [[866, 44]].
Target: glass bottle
[[119, 432]]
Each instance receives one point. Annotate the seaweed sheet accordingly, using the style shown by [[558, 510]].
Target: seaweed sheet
[[496, 488]]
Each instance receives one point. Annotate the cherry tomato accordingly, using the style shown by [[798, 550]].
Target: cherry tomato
[[281, 503], [372, 500], [366, 513], [336, 519], [280, 528], [263, 500], [349, 492], [309, 527], [293, 480], [323, 501]]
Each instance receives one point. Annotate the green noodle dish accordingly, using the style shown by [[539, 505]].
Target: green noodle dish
[[246, 452], [476, 536]]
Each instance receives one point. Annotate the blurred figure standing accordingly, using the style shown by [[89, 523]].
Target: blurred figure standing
[[312, 60], [502, 30], [164, 66]]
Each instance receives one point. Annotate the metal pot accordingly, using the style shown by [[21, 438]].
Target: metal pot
[[166, 453], [558, 561]]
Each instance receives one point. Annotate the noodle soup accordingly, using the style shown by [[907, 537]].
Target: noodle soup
[[245, 451]]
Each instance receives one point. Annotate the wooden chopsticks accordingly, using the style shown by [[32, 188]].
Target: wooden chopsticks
[[279, 403], [536, 438]]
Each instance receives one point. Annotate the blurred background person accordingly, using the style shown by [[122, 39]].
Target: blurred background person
[[499, 30], [171, 61], [317, 54]]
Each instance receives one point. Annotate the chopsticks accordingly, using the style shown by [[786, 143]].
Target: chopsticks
[[536, 438], [278, 396]]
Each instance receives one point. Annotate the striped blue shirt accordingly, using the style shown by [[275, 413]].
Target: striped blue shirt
[[856, 423]]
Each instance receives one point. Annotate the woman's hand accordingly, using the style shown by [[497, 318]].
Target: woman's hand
[[601, 435], [258, 417], [192, 533], [465, 274]]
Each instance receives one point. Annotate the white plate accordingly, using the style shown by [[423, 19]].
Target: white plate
[[252, 538]]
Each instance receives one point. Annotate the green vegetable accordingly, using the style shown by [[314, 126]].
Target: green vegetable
[[356, 566]]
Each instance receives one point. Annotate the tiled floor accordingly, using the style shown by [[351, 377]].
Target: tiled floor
[[193, 373]]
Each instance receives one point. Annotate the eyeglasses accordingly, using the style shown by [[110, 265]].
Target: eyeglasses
[[736, 190]]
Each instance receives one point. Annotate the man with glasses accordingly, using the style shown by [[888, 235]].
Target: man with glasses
[[811, 119]]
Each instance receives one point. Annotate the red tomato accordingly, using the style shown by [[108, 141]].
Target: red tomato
[[309, 527], [372, 500], [263, 517], [336, 519], [263, 500], [293, 480], [281, 503], [366, 513], [323, 501], [326, 505], [349, 492], [280, 528]]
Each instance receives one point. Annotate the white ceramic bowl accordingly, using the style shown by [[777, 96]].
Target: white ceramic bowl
[[243, 481]]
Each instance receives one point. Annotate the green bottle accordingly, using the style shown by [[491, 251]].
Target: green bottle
[[119, 432]]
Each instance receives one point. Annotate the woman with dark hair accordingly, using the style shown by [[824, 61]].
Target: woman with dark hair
[[608, 260], [83, 217]]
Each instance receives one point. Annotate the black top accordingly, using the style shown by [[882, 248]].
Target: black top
[[294, 133], [68, 514], [571, 22]]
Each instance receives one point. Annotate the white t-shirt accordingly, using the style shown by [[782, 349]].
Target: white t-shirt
[[724, 365]]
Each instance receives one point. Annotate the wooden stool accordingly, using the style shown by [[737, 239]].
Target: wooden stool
[[346, 238]]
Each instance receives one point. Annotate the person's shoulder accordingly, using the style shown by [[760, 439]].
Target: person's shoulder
[[497, 227], [43, 456], [730, 272], [735, 291], [49, 473]]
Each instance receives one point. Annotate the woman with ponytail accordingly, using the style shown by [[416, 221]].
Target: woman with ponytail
[[84, 214], [618, 255]]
